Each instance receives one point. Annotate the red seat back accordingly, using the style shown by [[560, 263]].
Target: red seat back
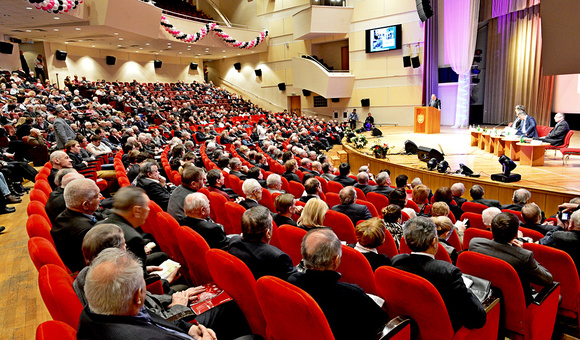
[[388, 248], [470, 233], [217, 204], [55, 286], [356, 269], [299, 308], [412, 205], [378, 200], [44, 186], [332, 199], [55, 330], [267, 200], [291, 240], [193, 247], [296, 189], [334, 187], [472, 207], [517, 213], [370, 206], [236, 184], [441, 252], [323, 184], [233, 276], [38, 195], [37, 225], [360, 194], [235, 213], [475, 220], [43, 252], [35, 207], [341, 225], [533, 234]]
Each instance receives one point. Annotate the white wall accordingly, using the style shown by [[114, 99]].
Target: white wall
[[567, 93], [11, 62]]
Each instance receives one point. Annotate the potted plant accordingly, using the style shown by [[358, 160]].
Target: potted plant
[[359, 141]]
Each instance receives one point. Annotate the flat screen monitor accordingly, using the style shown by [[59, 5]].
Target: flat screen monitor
[[384, 39]]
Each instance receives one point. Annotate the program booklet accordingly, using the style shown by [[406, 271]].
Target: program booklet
[[212, 297], [168, 267]]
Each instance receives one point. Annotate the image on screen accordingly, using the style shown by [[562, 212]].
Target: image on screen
[[383, 39]]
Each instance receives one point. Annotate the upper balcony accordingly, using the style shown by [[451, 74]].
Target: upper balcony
[[319, 21], [310, 75]]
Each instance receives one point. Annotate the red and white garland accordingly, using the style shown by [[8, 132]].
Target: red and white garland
[[55, 6], [193, 38]]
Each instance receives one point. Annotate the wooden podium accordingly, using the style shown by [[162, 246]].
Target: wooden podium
[[427, 120]]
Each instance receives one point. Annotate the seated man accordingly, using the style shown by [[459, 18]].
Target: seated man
[[463, 307], [520, 198], [363, 183], [342, 178], [532, 216], [507, 247], [487, 216], [116, 294], [253, 191], [321, 253], [286, 207], [236, 168], [527, 127], [566, 237], [290, 174], [348, 206], [215, 183], [558, 133], [55, 203], [274, 184], [82, 200], [58, 160], [313, 190], [197, 211], [253, 246], [154, 184], [192, 179], [457, 189], [383, 184], [476, 193]]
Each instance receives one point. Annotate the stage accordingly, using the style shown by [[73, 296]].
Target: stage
[[550, 184]]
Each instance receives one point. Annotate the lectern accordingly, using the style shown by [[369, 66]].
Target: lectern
[[427, 120]]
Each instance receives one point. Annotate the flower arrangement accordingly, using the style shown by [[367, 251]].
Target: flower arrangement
[[359, 141], [193, 38], [380, 148]]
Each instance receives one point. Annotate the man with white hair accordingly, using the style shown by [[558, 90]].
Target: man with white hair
[[383, 184], [274, 184], [457, 189], [363, 182], [487, 216], [253, 191], [55, 203], [82, 199], [197, 210], [58, 160]]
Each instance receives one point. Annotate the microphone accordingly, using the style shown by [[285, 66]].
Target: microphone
[[502, 123]]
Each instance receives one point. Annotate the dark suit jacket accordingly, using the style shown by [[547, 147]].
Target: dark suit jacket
[[356, 212], [542, 228], [558, 133], [76, 160], [290, 176], [435, 103], [463, 307], [176, 201], [101, 327], [213, 233], [238, 174], [345, 180], [365, 187], [68, 232], [249, 203], [530, 128], [489, 203], [384, 190], [339, 301], [459, 200], [262, 259], [133, 239], [522, 260], [55, 204], [155, 191], [280, 220], [568, 241]]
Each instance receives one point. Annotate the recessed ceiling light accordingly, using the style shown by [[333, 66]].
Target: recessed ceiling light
[[92, 45], [161, 51], [168, 46], [120, 38], [56, 29], [168, 43], [180, 52], [238, 54], [28, 31], [66, 42], [80, 41], [252, 51], [56, 18], [28, 7], [147, 44], [78, 28], [224, 51], [116, 33], [118, 45], [156, 53], [140, 48]]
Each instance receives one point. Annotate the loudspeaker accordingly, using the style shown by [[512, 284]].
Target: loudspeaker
[[193, 66], [365, 102], [425, 154], [111, 60], [335, 100], [424, 9], [282, 86], [335, 113], [6, 48], [258, 72], [238, 66], [157, 63], [344, 114], [305, 92], [60, 55], [410, 147], [377, 132], [416, 62], [407, 61]]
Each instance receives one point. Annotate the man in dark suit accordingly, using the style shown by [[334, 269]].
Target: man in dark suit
[[527, 126], [290, 174], [342, 178], [347, 206], [192, 179], [477, 193], [235, 166], [457, 189], [253, 191], [154, 184], [55, 203], [383, 184], [117, 275], [566, 237], [197, 211], [558, 133], [507, 247], [321, 252], [313, 190], [363, 183], [532, 216], [435, 102], [285, 208], [253, 246], [82, 200], [463, 307]]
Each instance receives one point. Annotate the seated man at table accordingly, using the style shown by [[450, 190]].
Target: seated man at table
[[527, 126], [558, 133]]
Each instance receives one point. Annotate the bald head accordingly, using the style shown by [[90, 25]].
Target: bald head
[[321, 249], [66, 179]]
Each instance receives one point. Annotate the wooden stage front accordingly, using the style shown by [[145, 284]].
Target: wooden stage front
[[550, 184]]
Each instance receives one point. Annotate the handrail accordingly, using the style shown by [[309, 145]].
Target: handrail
[[219, 12], [207, 21], [239, 89], [309, 57]]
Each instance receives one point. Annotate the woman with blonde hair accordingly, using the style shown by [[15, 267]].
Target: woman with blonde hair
[[421, 196], [313, 214], [370, 235]]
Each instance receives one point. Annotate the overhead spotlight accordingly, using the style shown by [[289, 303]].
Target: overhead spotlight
[[477, 59], [432, 164], [465, 170], [443, 167], [507, 165]]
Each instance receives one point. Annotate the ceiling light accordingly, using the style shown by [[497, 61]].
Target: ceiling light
[[224, 51], [118, 45], [180, 52], [28, 31], [28, 7], [66, 42], [56, 18], [238, 54], [92, 45], [140, 48], [147, 44], [116, 33], [120, 38], [78, 28], [56, 29], [168, 43], [80, 41]]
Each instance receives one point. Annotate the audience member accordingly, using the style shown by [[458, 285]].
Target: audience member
[[566, 236], [286, 207], [312, 215], [532, 216], [476, 192], [348, 206], [253, 191], [342, 178], [488, 215], [383, 184], [55, 203], [313, 190], [197, 211], [153, 183], [274, 184], [192, 179], [458, 189], [370, 235]]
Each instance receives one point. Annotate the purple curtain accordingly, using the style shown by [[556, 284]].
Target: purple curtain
[[431, 56]]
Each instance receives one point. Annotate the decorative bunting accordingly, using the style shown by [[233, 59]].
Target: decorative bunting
[[55, 6], [215, 28]]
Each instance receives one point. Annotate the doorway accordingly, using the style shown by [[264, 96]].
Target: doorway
[[295, 104]]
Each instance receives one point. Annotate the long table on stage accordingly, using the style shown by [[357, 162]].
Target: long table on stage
[[550, 185]]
